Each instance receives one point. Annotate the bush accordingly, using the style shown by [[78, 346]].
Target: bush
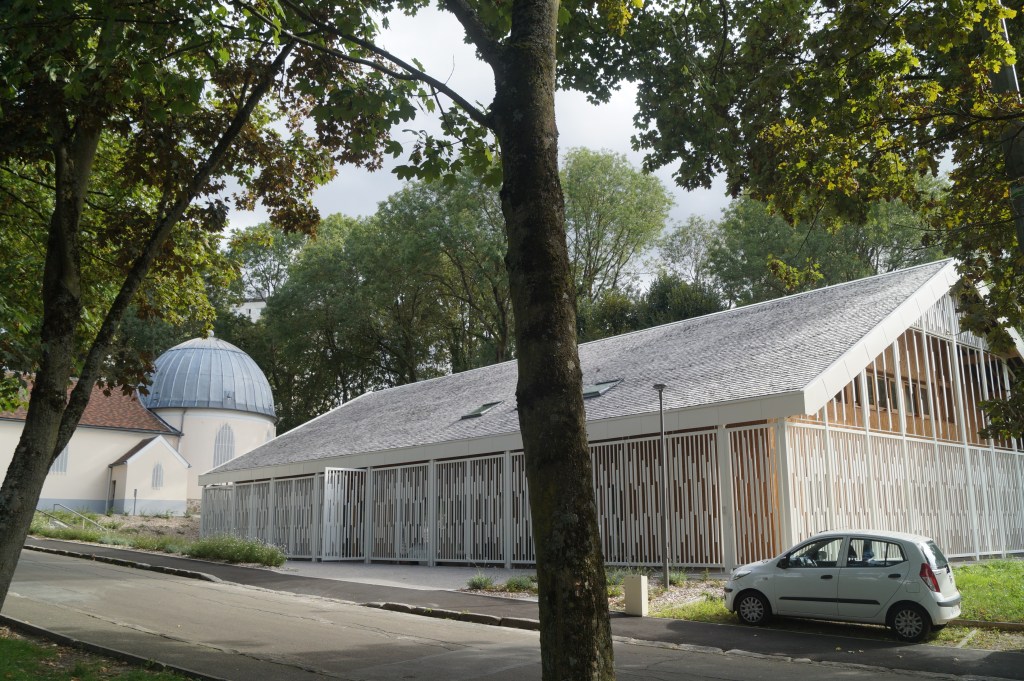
[[677, 578], [481, 582], [235, 550], [520, 584]]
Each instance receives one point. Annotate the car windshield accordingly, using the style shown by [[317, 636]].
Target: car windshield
[[934, 555]]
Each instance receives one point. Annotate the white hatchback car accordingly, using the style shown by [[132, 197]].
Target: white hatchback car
[[900, 580]]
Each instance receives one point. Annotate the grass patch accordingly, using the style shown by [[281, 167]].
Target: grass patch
[[521, 584], [27, 659], [228, 549], [710, 608], [677, 577], [481, 582], [993, 591], [235, 550]]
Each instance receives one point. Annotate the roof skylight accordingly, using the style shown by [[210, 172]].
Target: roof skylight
[[481, 410], [598, 389]]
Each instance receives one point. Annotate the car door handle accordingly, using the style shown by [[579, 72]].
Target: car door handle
[[895, 576], [826, 576]]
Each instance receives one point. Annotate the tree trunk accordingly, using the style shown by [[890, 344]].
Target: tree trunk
[[53, 416], [42, 437], [575, 634]]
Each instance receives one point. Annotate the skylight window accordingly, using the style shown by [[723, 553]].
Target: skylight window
[[481, 410], [598, 389]]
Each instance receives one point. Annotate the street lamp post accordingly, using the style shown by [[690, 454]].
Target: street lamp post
[[660, 387]]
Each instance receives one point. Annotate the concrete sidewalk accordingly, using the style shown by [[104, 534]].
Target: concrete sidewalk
[[427, 591]]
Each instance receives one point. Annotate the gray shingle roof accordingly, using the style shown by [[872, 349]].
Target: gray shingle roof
[[750, 352]]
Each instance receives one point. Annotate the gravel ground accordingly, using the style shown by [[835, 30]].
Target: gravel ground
[[691, 590]]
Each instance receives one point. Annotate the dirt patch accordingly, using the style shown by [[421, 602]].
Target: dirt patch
[[687, 592], [184, 527]]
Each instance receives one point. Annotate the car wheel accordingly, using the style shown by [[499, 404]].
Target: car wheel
[[752, 608], [910, 622]]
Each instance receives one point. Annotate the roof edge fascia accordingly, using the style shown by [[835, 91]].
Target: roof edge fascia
[[825, 385], [776, 406]]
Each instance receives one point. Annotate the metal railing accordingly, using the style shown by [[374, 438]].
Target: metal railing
[[75, 513]]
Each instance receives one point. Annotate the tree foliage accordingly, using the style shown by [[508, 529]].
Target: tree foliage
[[751, 255], [825, 109], [613, 213], [668, 298], [124, 120]]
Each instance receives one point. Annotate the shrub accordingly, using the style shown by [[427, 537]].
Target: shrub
[[677, 578], [520, 583], [481, 582], [236, 550]]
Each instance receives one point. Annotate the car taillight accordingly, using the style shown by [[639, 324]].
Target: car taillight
[[928, 577]]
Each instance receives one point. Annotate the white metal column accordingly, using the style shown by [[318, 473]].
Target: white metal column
[[1000, 520], [901, 407], [506, 507], [830, 489], [869, 448], [958, 393], [728, 504], [368, 517], [785, 537], [432, 501]]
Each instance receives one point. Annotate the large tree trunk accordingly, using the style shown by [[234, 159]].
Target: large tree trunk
[[42, 437], [575, 633]]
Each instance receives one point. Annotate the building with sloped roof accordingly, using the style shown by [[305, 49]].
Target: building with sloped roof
[[103, 467], [851, 405], [208, 402]]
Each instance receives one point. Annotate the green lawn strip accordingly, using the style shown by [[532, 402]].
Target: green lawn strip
[[225, 548], [993, 591], [709, 608], [29, 659]]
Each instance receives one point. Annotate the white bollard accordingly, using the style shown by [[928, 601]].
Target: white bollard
[[635, 587]]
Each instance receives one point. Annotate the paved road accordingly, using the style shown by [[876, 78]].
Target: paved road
[[231, 631]]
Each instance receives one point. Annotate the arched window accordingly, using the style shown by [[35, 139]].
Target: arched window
[[224, 446], [158, 475], [60, 464]]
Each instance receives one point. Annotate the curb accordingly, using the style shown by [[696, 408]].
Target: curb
[[177, 572], [472, 617], [981, 624], [32, 630]]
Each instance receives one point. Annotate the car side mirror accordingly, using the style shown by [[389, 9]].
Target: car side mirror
[[783, 562]]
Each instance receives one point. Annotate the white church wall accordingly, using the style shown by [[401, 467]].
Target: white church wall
[[146, 492], [201, 427], [80, 480]]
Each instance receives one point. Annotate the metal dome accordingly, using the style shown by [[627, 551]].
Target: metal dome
[[210, 373]]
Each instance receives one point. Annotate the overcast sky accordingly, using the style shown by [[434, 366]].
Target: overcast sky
[[435, 38]]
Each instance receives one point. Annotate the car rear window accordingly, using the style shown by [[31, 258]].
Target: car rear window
[[935, 557]]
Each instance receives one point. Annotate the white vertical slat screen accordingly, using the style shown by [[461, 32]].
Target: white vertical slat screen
[[344, 512]]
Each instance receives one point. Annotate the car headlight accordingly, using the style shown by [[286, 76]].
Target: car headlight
[[739, 574]]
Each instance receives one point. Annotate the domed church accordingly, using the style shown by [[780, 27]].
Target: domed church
[[217, 398], [208, 402]]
